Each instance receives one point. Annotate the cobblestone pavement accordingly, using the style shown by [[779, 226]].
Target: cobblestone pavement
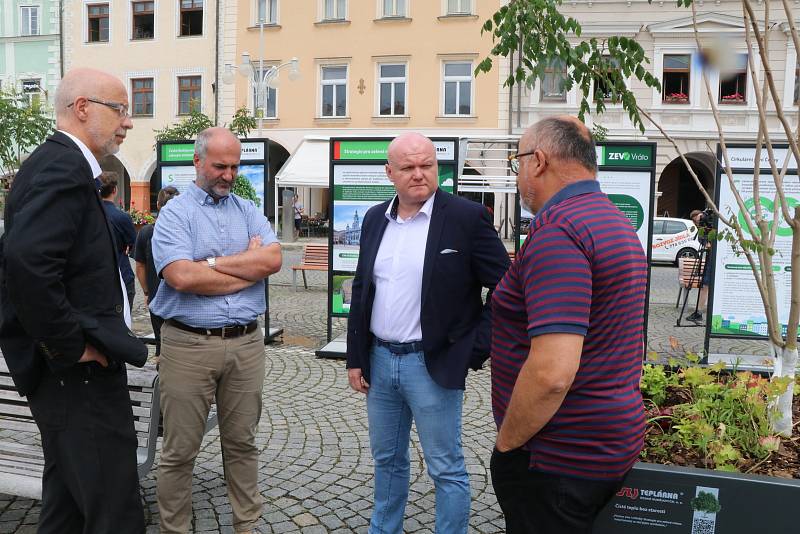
[[316, 473]]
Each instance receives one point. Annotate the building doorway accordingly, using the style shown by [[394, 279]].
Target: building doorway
[[678, 192]]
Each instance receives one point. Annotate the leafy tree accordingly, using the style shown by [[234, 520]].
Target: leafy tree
[[242, 122], [243, 188], [22, 126], [541, 35], [197, 121]]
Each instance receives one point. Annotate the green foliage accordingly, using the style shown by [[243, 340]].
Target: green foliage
[[242, 122], [543, 35], [140, 217], [22, 127], [706, 502], [243, 188], [186, 128], [600, 133], [724, 416], [654, 383]]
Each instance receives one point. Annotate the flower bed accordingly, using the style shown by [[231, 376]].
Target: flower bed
[[710, 418]]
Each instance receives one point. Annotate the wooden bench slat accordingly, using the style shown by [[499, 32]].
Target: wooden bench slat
[[24, 426]]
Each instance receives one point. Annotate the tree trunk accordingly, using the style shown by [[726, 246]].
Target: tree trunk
[[785, 361]]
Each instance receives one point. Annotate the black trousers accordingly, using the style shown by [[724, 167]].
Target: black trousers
[[90, 483], [540, 503]]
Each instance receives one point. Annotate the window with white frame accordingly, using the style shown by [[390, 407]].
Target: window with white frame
[[554, 82], [29, 20], [334, 9], [97, 23], [265, 107], [392, 89], [267, 11], [459, 7], [32, 91], [334, 91], [677, 77], [457, 88], [394, 8], [733, 82], [602, 84]]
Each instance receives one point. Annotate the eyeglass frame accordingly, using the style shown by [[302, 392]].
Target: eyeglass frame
[[513, 159], [120, 108]]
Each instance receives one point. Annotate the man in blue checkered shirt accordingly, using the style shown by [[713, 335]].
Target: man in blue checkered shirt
[[213, 249]]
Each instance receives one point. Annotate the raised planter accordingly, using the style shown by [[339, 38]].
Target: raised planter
[[659, 499]]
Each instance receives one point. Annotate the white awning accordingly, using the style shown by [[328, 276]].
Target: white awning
[[308, 166]]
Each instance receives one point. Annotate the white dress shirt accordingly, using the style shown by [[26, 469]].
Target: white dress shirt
[[97, 171], [398, 276]]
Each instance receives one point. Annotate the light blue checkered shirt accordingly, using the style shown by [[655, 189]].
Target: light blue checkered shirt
[[191, 227]]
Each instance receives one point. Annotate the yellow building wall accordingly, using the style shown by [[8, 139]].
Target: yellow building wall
[[424, 40]]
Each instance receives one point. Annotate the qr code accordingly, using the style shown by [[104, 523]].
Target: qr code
[[703, 526]]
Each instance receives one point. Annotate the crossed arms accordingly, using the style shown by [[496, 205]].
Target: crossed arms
[[232, 273]]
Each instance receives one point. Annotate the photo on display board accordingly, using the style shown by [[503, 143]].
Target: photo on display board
[[255, 175], [342, 293]]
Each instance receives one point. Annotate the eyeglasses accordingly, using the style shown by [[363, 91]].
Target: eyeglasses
[[121, 109], [513, 159]]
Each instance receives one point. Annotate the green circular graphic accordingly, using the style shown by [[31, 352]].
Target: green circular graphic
[[767, 206], [629, 207]]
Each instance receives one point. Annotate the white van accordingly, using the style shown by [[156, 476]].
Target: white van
[[673, 239]]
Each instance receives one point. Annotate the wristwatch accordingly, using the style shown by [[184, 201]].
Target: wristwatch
[[212, 262]]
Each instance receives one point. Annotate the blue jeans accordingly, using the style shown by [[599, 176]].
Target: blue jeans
[[401, 388]]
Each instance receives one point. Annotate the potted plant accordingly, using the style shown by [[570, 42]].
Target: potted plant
[[735, 98], [140, 218], [708, 433], [676, 98]]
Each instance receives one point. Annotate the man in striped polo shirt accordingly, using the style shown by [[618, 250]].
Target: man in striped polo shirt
[[567, 342]]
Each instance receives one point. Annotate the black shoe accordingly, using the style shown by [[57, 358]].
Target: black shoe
[[696, 316]]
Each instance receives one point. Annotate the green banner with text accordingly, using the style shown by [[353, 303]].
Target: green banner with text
[[625, 156], [177, 152]]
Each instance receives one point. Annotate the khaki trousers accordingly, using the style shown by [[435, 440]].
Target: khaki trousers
[[195, 369]]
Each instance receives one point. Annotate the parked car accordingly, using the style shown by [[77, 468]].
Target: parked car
[[673, 239]]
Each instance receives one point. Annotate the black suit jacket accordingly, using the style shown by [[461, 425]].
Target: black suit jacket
[[59, 279], [456, 325]]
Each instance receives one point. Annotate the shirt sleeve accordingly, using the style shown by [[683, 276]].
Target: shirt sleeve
[[257, 224], [172, 240], [557, 283]]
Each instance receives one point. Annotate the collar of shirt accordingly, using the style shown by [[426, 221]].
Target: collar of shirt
[[391, 210], [96, 170], [200, 196], [572, 190]]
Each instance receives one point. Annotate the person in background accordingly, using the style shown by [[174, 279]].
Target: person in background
[[145, 267], [122, 229], [297, 207], [701, 220]]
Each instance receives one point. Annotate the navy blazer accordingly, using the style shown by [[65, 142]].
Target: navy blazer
[[456, 324]]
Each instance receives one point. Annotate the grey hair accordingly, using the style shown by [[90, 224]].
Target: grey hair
[[566, 140], [201, 144]]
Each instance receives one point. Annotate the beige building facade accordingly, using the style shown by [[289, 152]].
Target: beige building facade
[[367, 68], [682, 107], [166, 54]]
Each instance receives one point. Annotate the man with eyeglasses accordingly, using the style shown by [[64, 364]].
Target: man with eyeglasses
[[567, 342], [65, 321]]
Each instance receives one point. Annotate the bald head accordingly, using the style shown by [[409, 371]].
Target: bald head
[[83, 82], [92, 105], [409, 143], [563, 138], [217, 135]]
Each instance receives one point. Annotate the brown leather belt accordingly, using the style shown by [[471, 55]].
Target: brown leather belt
[[230, 331]]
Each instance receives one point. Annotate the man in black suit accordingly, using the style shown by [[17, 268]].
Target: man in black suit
[[63, 327], [417, 324]]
